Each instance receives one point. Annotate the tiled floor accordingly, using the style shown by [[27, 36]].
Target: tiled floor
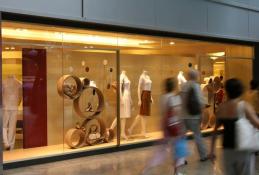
[[123, 163]]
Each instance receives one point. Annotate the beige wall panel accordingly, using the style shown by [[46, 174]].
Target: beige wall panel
[[54, 101]]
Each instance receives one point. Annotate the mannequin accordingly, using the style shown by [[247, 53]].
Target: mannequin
[[144, 101], [181, 79], [125, 103], [12, 96]]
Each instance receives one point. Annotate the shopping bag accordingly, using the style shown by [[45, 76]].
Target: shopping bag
[[247, 136]]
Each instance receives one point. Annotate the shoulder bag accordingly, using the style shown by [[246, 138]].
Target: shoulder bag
[[247, 136]]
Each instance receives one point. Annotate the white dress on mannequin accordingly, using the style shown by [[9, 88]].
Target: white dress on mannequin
[[12, 96], [125, 107], [125, 104]]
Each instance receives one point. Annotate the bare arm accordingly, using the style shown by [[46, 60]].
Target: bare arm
[[251, 115]]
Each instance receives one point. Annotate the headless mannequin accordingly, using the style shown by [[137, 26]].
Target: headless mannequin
[[125, 104], [12, 96], [181, 79], [144, 85]]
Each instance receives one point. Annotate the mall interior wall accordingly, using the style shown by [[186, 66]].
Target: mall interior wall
[[236, 19]]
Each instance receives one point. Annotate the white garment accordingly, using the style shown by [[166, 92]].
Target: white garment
[[174, 101], [9, 127], [12, 96], [145, 82], [125, 108]]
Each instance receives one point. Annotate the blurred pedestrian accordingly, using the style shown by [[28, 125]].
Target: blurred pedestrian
[[174, 130], [193, 102], [252, 95], [235, 162]]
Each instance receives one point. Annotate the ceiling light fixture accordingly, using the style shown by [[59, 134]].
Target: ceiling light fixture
[[172, 43]]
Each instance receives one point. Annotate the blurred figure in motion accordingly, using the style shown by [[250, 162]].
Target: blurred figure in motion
[[174, 131], [252, 95], [193, 102], [235, 162]]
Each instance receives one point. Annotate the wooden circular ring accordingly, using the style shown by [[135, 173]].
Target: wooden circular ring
[[71, 133], [100, 106], [61, 90], [85, 82], [87, 125]]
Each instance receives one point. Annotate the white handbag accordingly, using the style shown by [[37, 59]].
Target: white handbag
[[247, 136]]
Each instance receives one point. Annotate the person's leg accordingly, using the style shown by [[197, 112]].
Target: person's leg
[[228, 162], [6, 118], [114, 123], [123, 124], [245, 163], [12, 128], [134, 124], [194, 126], [143, 126]]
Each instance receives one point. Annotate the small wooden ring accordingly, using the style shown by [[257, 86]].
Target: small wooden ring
[[100, 106], [62, 91], [71, 133]]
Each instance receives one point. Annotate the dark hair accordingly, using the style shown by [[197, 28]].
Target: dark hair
[[234, 88], [170, 84], [254, 84], [221, 77], [189, 64]]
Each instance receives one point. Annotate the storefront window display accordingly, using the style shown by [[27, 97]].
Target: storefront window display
[[66, 90]]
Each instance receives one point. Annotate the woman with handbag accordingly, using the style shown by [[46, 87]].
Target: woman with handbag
[[237, 160], [174, 131]]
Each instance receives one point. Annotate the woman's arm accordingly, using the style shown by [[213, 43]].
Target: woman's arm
[[251, 115]]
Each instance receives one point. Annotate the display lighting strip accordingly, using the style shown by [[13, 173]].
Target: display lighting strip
[[40, 35]]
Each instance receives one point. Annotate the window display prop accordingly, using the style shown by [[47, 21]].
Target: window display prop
[[88, 103], [12, 97], [181, 79], [144, 101], [125, 103]]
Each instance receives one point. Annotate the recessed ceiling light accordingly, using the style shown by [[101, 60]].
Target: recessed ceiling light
[[91, 47], [172, 43], [12, 48], [86, 47], [7, 48]]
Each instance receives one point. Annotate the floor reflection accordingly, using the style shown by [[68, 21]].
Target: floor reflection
[[123, 163]]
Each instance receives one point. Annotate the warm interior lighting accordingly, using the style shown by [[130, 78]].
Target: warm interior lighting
[[172, 43], [213, 58], [216, 55], [41, 35]]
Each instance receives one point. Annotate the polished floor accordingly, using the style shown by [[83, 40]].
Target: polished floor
[[129, 162]]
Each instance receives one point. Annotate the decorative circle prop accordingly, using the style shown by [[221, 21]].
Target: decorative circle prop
[[87, 69], [69, 86], [75, 138], [92, 131], [91, 110], [85, 82]]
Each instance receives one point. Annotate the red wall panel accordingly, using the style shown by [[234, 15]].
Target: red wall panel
[[34, 97]]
